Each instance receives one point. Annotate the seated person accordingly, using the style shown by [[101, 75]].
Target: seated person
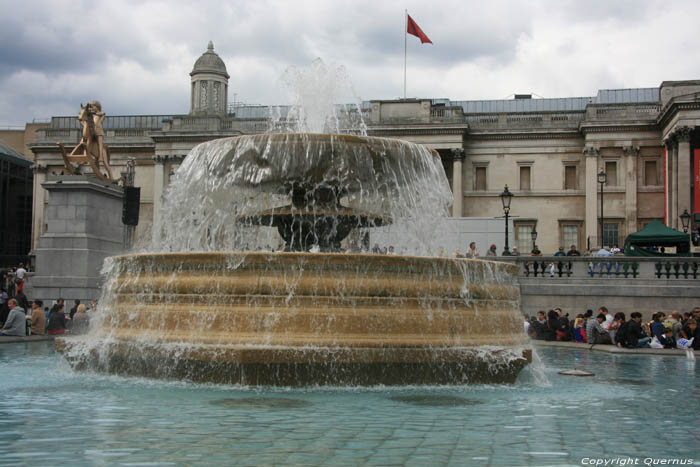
[[657, 324], [38, 318], [57, 320], [16, 323], [595, 333], [631, 334], [667, 339], [579, 330], [81, 320], [692, 331]]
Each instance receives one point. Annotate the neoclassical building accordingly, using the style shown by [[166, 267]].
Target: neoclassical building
[[549, 152]]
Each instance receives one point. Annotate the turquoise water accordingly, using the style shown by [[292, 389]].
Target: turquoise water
[[635, 406]]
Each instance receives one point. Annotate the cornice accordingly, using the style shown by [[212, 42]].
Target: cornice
[[672, 108], [617, 128]]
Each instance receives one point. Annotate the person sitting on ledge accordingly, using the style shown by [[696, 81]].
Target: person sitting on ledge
[[16, 324], [492, 251], [657, 324], [631, 335], [57, 320], [579, 330], [472, 251], [535, 251], [595, 333], [692, 331], [38, 318], [514, 251], [80, 321], [667, 339], [561, 252], [573, 251]]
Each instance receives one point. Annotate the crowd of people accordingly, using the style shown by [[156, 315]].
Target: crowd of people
[[669, 332], [19, 317]]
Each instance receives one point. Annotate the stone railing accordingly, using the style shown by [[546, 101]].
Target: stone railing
[[446, 114], [622, 111], [61, 135], [613, 267], [525, 120]]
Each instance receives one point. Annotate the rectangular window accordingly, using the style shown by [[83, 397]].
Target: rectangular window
[[523, 238], [524, 177], [569, 236], [480, 179], [570, 177], [650, 177], [611, 173], [611, 234]]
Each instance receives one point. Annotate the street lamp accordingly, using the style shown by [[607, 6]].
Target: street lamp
[[685, 219], [533, 234], [601, 180], [506, 197]]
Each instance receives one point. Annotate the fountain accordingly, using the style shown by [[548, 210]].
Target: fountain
[[212, 302]]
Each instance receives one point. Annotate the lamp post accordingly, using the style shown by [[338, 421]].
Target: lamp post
[[506, 197], [601, 180], [685, 219], [533, 234]]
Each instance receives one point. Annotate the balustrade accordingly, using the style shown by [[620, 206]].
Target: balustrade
[[613, 267]]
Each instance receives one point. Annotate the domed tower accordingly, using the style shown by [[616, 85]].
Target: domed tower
[[209, 84]]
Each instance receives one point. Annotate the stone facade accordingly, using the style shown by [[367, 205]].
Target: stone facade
[[548, 151]]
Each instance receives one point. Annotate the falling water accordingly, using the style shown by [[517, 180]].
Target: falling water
[[316, 92], [234, 289]]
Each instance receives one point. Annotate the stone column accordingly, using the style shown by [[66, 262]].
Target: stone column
[[674, 183], [38, 200], [668, 180], [685, 171], [159, 177], [631, 167], [592, 227], [457, 190]]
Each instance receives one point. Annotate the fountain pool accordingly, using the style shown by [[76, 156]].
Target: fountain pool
[[638, 406]]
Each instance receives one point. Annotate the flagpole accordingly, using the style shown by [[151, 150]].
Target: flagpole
[[405, 35]]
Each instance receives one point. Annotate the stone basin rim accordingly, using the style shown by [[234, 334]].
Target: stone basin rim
[[309, 255]]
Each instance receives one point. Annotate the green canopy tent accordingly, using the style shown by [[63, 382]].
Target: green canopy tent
[[657, 235]]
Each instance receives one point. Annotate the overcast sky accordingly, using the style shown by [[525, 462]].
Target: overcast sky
[[135, 56]]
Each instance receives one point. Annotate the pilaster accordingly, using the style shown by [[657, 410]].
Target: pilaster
[[685, 170], [669, 187], [159, 169], [591, 154], [38, 203], [631, 168], [457, 189]]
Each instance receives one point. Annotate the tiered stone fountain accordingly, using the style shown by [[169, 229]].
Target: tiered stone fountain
[[212, 313]]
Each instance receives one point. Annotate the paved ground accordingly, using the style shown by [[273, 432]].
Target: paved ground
[[12, 339], [611, 348]]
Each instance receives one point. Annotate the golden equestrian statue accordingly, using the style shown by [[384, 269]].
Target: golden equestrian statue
[[91, 148]]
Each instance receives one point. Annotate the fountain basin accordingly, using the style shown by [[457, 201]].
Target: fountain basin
[[308, 318]]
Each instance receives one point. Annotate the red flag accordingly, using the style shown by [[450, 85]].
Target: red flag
[[415, 30]]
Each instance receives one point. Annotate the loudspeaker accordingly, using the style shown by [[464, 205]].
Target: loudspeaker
[[130, 210]]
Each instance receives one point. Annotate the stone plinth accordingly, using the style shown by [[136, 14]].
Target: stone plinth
[[84, 227]]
